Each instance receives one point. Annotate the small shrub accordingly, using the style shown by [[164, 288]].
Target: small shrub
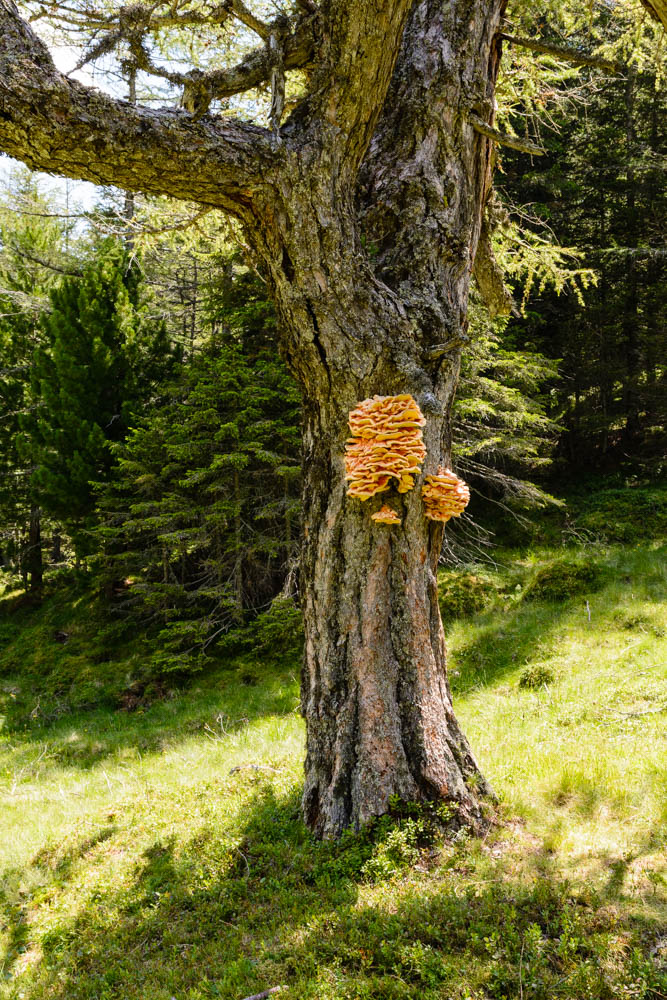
[[276, 632], [280, 629], [464, 594], [8, 632], [536, 676], [396, 850], [560, 580]]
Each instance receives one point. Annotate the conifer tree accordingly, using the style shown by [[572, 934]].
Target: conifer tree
[[204, 507], [601, 188], [102, 359], [503, 436], [28, 242]]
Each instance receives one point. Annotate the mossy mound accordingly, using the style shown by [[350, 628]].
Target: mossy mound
[[625, 515], [462, 594], [562, 579]]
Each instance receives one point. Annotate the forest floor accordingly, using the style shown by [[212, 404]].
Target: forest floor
[[157, 851]]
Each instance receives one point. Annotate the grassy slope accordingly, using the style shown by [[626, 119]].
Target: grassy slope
[[160, 854]]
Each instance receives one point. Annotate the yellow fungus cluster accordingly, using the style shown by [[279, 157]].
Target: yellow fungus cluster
[[387, 444], [444, 495], [386, 515]]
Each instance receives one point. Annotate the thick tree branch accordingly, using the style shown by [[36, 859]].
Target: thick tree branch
[[295, 40], [657, 9], [523, 145], [58, 125], [360, 45], [564, 52]]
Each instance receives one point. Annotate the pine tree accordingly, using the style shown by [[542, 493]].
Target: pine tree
[[101, 362], [203, 509], [28, 242]]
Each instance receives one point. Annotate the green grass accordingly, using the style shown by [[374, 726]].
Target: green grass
[[160, 853]]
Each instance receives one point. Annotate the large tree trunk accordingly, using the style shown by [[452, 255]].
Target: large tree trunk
[[364, 211], [374, 689], [375, 696]]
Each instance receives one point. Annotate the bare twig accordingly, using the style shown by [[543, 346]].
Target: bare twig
[[523, 145], [565, 53]]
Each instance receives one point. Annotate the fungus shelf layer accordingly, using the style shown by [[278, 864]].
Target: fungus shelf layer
[[387, 445], [444, 495], [385, 515]]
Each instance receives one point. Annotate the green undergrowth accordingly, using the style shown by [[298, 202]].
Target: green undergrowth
[[72, 651], [156, 850]]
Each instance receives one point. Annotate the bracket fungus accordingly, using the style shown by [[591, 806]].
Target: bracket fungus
[[387, 444], [444, 495], [386, 515]]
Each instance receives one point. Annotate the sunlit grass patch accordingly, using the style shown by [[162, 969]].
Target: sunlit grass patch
[[583, 755], [160, 853]]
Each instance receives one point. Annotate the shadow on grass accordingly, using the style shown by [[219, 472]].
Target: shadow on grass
[[229, 916], [499, 647], [217, 705]]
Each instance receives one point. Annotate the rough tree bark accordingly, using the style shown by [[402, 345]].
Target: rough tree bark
[[365, 215], [34, 551]]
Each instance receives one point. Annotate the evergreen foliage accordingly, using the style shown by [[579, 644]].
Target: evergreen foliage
[[102, 359], [601, 189], [202, 517], [27, 243], [502, 437]]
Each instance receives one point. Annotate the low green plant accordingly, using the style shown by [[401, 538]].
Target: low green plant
[[463, 594], [536, 675], [562, 579], [280, 629], [275, 632], [395, 850], [628, 515], [638, 621]]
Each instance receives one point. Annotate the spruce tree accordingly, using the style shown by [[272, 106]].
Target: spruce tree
[[601, 188], [29, 240], [101, 362], [203, 509]]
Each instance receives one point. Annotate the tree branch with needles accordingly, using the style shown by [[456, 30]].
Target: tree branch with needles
[[60, 125]]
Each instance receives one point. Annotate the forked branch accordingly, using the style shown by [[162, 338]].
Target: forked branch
[[61, 126], [294, 39]]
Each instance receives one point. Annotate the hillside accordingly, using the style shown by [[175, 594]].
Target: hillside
[[157, 851]]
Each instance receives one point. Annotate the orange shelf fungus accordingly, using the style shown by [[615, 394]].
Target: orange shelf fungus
[[386, 515], [387, 445], [444, 495]]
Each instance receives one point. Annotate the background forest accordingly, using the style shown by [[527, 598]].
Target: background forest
[[150, 632], [171, 469]]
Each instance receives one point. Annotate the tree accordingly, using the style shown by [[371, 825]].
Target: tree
[[101, 359], [28, 242], [203, 509], [604, 186], [363, 209]]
